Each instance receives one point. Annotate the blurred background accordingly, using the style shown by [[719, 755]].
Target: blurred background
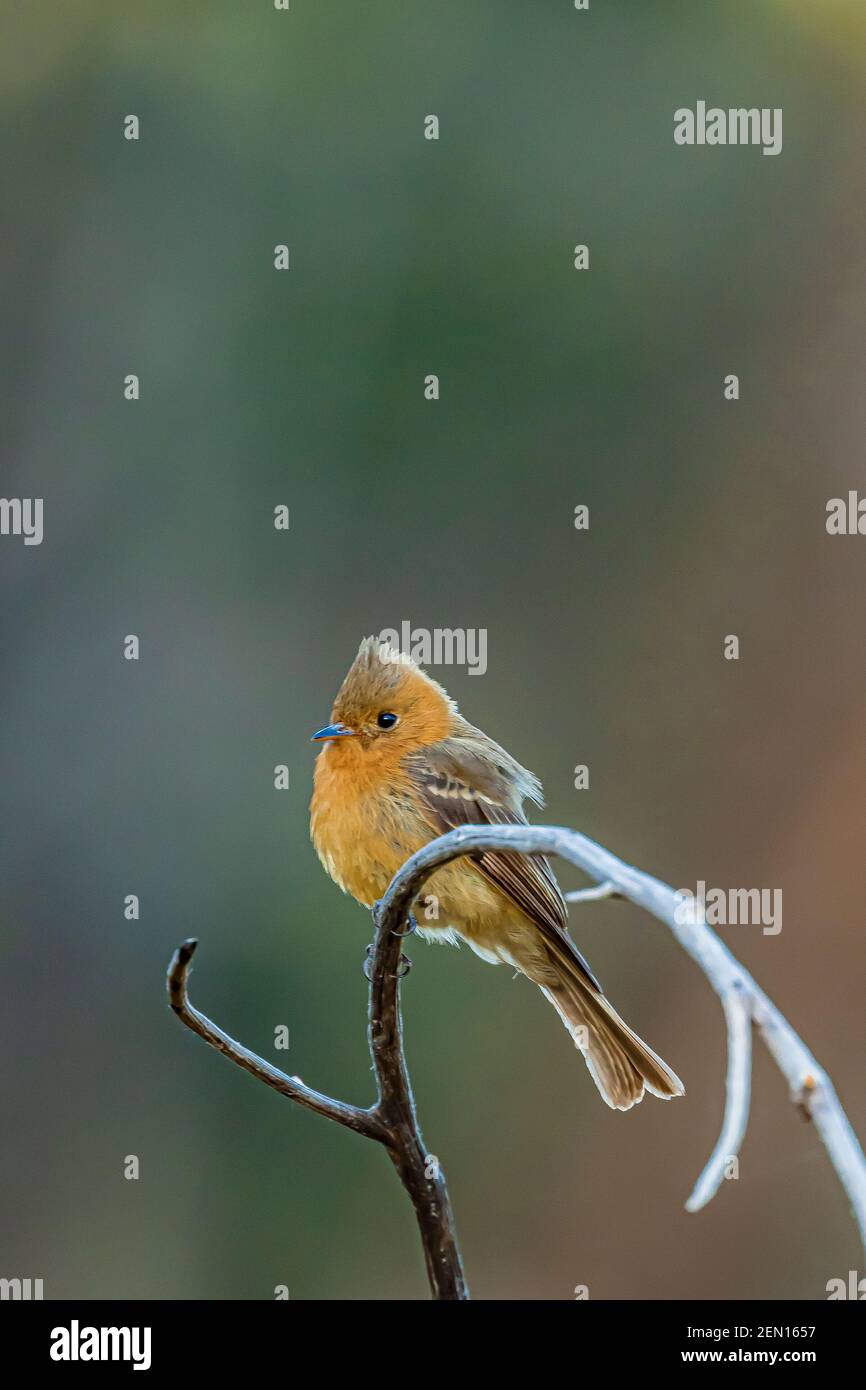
[[305, 388]]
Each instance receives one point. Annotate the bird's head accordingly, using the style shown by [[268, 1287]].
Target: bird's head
[[386, 707]]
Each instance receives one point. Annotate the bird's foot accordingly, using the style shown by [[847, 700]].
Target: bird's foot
[[411, 927], [404, 964]]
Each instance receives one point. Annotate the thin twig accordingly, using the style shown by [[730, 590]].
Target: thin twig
[[595, 894], [362, 1121], [738, 1088]]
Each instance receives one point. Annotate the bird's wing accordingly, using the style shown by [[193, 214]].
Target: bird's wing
[[459, 785]]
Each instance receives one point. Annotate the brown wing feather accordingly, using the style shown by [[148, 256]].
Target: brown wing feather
[[458, 786]]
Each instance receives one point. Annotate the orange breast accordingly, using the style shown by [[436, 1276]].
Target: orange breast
[[363, 827]]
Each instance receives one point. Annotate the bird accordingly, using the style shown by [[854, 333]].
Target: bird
[[398, 767]]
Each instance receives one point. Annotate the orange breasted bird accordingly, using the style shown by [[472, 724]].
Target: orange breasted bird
[[398, 768]]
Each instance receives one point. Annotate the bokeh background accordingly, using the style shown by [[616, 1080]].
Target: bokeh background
[[306, 388]]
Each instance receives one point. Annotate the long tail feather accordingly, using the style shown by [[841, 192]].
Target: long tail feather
[[620, 1063]]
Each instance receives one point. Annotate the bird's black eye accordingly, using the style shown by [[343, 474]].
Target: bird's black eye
[[386, 720]]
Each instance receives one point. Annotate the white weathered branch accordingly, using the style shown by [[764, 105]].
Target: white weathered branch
[[738, 1018], [743, 1001]]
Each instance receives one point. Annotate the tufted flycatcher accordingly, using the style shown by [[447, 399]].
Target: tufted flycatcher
[[398, 768]]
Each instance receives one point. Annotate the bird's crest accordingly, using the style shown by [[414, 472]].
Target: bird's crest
[[381, 675]]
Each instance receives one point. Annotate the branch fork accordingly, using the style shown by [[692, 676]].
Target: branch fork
[[391, 1120]]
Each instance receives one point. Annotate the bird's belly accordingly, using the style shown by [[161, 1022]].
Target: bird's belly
[[458, 902], [371, 837], [366, 843]]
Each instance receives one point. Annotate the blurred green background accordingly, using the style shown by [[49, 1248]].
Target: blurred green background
[[306, 388]]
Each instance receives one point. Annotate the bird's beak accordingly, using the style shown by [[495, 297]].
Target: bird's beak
[[333, 731]]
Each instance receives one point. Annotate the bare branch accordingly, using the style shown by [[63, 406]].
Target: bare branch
[[592, 895], [738, 1090], [420, 1171], [362, 1121], [391, 1121], [810, 1086]]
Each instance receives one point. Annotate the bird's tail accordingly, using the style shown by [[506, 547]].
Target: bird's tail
[[621, 1065]]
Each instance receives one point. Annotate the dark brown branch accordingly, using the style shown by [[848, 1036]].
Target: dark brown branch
[[419, 1171], [391, 1120], [362, 1121]]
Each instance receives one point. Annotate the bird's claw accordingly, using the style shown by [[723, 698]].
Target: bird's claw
[[378, 911], [411, 928], [404, 964]]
